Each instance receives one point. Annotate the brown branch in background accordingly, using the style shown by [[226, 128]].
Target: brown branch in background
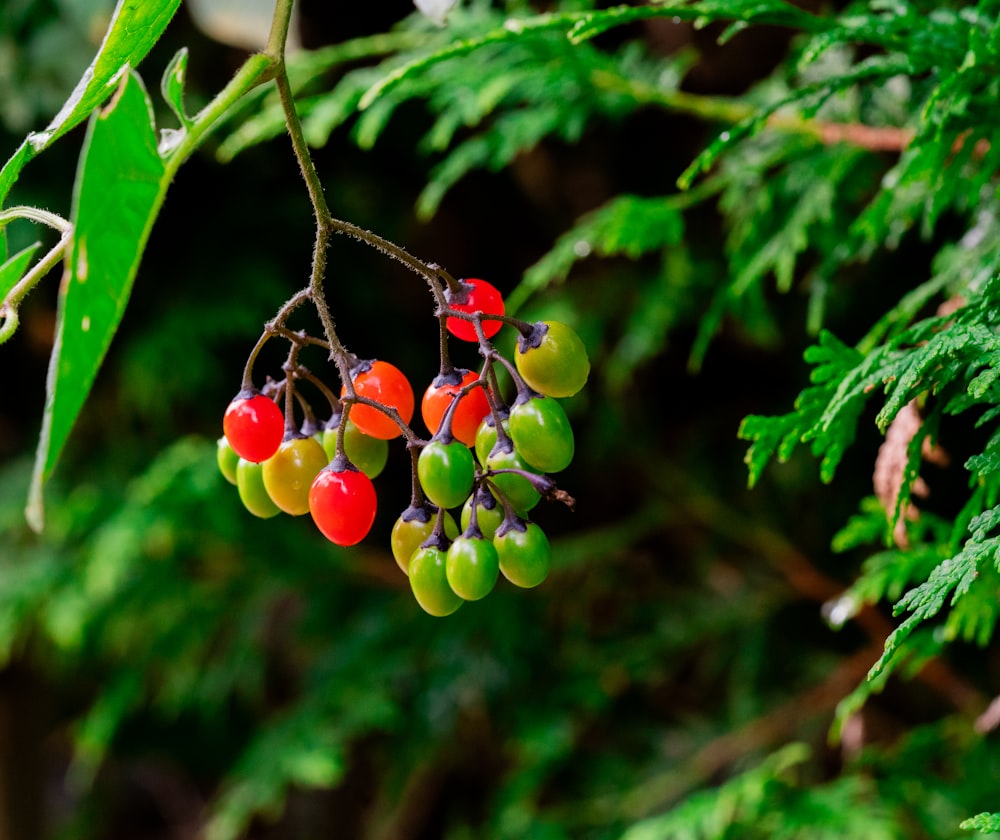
[[989, 719], [889, 477], [805, 579], [779, 725], [783, 722], [873, 138], [714, 108], [885, 138]]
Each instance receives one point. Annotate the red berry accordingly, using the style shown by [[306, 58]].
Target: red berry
[[387, 384], [476, 296], [343, 504], [469, 412], [254, 426]]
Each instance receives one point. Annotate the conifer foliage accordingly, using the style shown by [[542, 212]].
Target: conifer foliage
[[875, 132]]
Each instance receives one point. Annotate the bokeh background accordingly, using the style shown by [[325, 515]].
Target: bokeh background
[[174, 668]]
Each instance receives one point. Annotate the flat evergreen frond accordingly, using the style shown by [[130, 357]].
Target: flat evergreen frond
[[959, 269], [258, 117], [951, 357], [509, 111], [938, 355], [511, 133], [739, 800], [659, 305], [986, 465], [984, 823], [944, 166], [303, 748], [885, 576], [629, 225], [745, 12], [769, 802], [973, 616], [952, 578], [811, 419], [809, 99], [776, 212], [512, 30], [865, 528], [921, 646]]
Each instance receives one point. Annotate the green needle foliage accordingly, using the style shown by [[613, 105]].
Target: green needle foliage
[[846, 195]]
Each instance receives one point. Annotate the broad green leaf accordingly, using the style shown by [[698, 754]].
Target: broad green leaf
[[119, 189], [13, 269], [136, 26]]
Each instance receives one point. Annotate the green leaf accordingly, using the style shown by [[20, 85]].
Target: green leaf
[[13, 269], [120, 186], [172, 85], [136, 26]]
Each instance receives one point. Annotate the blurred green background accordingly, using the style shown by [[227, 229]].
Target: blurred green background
[[174, 668]]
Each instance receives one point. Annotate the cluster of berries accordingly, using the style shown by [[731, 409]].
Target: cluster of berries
[[488, 457]]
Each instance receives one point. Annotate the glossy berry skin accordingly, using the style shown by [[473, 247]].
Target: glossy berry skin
[[469, 412], [387, 384], [250, 485], [518, 490], [472, 566], [429, 582], [254, 426], [414, 527], [478, 296], [368, 454], [489, 513], [486, 436], [288, 473], [342, 502], [227, 459], [552, 360], [525, 555], [542, 434], [446, 472]]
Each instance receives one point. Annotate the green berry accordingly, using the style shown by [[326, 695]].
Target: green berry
[[429, 582], [227, 459], [524, 553], [472, 566], [542, 434], [253, 494]]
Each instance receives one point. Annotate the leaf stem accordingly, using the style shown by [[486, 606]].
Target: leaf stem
[[256, 70], [9, 305], [35, 214]]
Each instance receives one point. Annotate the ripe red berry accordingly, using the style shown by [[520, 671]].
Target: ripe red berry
[[476, 296], [254, 426], [387, 384], [469, 412], [342, 502]]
